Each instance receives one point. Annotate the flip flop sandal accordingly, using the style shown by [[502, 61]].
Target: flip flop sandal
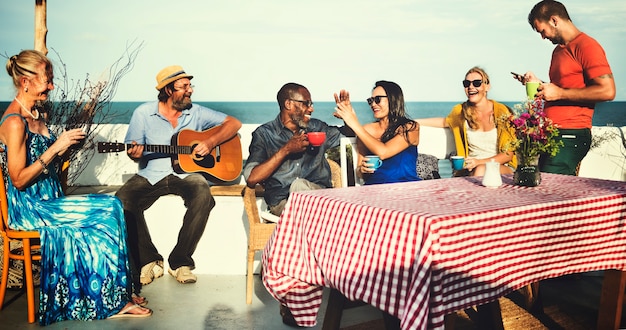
[[125, 313]]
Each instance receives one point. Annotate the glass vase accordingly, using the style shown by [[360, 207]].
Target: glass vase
[[527, 172]]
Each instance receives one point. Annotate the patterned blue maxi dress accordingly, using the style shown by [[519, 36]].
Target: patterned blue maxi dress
[[84, 261]]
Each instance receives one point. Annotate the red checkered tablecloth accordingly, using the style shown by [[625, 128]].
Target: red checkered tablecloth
[[425, 249]]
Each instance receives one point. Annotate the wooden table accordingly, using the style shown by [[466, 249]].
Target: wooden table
[[422, 250]]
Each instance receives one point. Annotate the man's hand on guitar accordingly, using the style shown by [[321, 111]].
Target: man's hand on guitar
[[202, 148], [136, 151]]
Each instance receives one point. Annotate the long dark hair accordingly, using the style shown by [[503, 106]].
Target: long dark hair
[[399, 122]]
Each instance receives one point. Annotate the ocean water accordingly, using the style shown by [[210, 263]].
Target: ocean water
[[607, 113]]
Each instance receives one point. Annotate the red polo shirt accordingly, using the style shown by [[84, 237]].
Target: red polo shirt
[[573, 66]]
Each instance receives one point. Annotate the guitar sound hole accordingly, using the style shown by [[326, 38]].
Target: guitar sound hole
[[207, 161]]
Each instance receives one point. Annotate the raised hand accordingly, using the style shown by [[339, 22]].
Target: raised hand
[[344, 109]]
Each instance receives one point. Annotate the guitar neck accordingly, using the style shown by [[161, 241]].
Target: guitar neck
[[166, 149]]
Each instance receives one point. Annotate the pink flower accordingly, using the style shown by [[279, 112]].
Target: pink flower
[[535, 132]]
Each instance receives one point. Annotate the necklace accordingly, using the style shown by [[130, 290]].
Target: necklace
[[35, 117]]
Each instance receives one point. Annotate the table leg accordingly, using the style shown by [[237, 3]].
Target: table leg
[[449, 321], [337, 302], [391, 322], [532, 298], [490, 316], [334, 310], [611, 299]]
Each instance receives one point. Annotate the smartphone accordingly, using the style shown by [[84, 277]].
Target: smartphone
[[518, 76]]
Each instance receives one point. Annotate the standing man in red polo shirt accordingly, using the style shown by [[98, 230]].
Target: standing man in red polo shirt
[[580, 77]]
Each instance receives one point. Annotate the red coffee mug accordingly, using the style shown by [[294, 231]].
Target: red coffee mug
[[316, 138]]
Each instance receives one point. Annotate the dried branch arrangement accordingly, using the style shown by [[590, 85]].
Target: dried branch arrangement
[[86, 104]]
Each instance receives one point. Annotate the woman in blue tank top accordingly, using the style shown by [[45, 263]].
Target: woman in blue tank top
[[393, 137]]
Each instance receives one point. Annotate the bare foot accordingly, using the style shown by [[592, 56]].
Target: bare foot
[[135, 309], [132, 310]]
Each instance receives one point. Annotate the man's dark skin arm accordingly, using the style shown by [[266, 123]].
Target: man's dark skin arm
[[297, 144]]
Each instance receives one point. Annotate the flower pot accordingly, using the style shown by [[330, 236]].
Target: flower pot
[[527, 172]]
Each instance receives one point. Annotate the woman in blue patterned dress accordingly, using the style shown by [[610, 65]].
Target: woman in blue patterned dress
[[84, 264]]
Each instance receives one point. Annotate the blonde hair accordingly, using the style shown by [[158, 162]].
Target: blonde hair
[[469, 112], [25, 64]]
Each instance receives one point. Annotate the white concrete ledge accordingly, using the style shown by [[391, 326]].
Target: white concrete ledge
[[223, 246]]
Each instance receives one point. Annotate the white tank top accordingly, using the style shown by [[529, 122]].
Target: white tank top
[[482, 144]]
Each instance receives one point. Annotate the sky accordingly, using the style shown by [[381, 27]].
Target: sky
[[245, 50]]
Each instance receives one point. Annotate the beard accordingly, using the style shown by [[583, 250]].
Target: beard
[[182, 104], [300, 121], [557, 39], [302, 124]]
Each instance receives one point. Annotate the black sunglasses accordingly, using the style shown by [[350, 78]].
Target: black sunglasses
[[305, 103], [375, 99], [476, 83]]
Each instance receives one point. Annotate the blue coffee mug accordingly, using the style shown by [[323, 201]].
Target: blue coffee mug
[[457, 162], [373, 161]]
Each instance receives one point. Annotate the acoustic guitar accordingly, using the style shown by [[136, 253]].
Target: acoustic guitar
[[223, 163]]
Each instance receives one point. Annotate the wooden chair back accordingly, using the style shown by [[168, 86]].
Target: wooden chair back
[[27, 253], [259, 233]]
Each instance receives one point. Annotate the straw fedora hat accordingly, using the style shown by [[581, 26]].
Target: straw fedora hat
[[169, 74]]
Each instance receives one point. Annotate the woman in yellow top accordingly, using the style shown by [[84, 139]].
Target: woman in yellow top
[[479, 134]]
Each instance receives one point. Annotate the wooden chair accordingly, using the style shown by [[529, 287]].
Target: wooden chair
[[30, 245], [335, 173], [259, 233], [260, 230]]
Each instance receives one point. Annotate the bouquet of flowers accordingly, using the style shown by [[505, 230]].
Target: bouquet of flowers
[[535, 133]]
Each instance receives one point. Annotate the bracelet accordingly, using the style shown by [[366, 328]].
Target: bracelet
[[43, 164]]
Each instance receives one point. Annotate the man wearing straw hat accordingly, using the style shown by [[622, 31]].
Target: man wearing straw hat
[[155, 123]]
